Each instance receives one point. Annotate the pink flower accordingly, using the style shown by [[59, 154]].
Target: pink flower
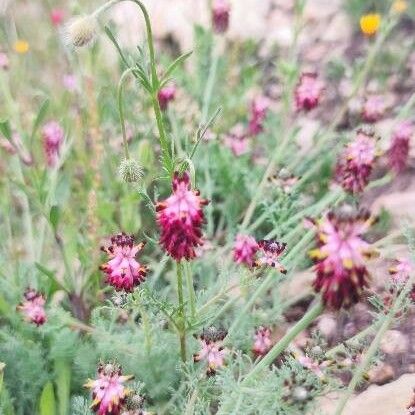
[[237, 140], [180, 218], [271, 251], [245, 249], [212, 350], [108, 390], [33, 307], [341, 273], [311, 364], [123, 271], [308, 91], [4, 61], [262, 341], [259, 109], [398, 152], [373, 108], [220, 15], [356, 162], [401, 270], [53, 136], [70, 83], [165, 95], [57, 16]]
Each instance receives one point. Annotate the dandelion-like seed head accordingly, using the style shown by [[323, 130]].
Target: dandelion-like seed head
[[130, 171], [341, 273], [81, 31]]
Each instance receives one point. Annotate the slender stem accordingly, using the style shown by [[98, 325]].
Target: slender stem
[[374, 346], [190, 290], [167, 162], [121, 111], [278, 348], [182, 323]]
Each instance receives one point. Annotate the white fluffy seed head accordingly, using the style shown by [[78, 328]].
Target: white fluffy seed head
[[130, 171], [80, 31]]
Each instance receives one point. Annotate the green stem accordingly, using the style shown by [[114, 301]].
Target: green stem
[[182, 322], [374, 346], [278, 348], [190, 290], [121, 111]]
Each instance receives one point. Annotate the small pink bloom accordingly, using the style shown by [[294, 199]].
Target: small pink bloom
[[7, 146], [373, 108], [270, 252], [355, 164], [262, 341], [259, 109], [341, 273], [165, 95], [33, 307], [308, 92], [220, 15], [108, 390], [212, 350], [237, 141], [401, 270], [53, 136], [57, 16], [180, 218], [311, 364], [123, 271], [70, 83], [4, 61], [398, 152], [245, 249]]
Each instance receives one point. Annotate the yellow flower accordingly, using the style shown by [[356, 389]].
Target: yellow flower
[[21, 46], [399, 6], [369, 23]]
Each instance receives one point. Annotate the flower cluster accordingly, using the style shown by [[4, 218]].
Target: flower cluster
[[398, 152], [259, 109], [53, 136], [165, 96], [180, 218], [262, 341], [245, 249], [108, 390], [270, 253], [308, 92], [220, 15], [211, 349], [341, 273], [355, 164], [122, 270], [33, 307]]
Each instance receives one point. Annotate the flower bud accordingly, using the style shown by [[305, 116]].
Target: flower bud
[[81, 31], [130, 171]]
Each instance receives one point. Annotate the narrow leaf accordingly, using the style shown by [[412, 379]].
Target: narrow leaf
[[54, 216], [178, 61], [40, 116], [47, 405], [5, 129]]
